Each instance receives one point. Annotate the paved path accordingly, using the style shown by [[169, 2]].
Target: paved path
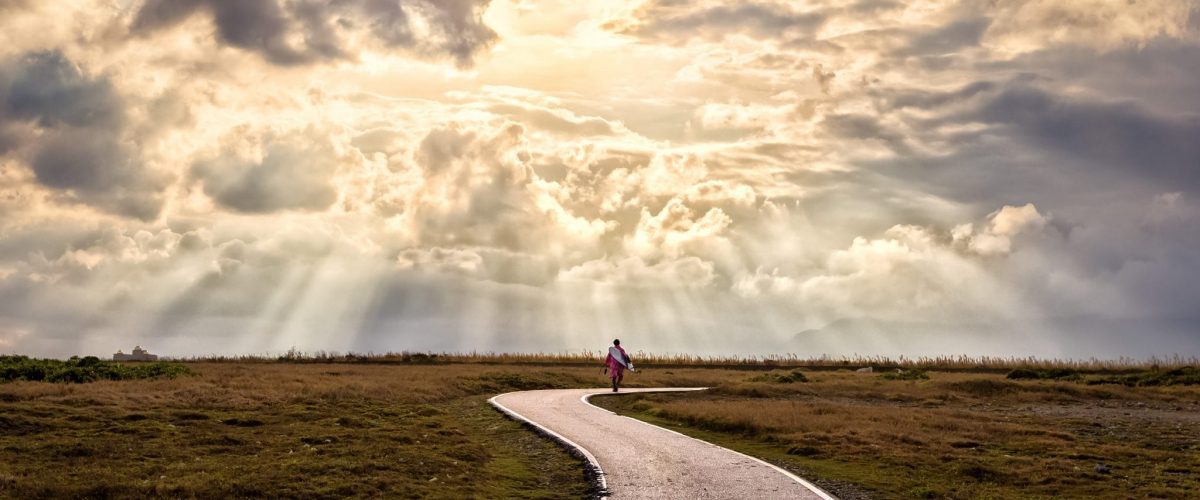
[[640, 460]]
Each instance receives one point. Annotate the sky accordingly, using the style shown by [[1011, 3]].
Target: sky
[[840, 177]]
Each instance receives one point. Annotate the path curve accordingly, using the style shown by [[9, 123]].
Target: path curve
[[634, 459]]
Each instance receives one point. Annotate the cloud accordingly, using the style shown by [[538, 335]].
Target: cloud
[[996, 238], [1119, 135], [690, 272], [296, 32], [288, 172], [710, 175], [674, 20], [80, 147]]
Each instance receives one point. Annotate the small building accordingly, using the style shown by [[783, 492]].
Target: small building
[[138, 354]]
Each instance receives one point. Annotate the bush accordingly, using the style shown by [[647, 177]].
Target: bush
[[913, 374], [82, 370], [781, 378], [1187, 375], [1048, 374]]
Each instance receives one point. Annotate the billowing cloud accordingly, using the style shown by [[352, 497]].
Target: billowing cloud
[[76, 128], [291, 32], [674, 20], [833, 177], [286, 172]]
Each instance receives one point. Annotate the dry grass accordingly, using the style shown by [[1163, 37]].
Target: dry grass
[[650, 360], [282, 430], [311, 430], [956, 435], [419, 427]]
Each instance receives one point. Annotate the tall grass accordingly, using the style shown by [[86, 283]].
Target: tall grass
[[644, 359]]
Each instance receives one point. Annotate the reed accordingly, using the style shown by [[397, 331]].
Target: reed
[[960, 363]]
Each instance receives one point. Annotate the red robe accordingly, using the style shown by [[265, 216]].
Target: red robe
[[616, 368]]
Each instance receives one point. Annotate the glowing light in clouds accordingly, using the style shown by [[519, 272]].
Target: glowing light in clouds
[[705, 177]]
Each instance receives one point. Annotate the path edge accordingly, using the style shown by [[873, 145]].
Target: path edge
[[591, 469]]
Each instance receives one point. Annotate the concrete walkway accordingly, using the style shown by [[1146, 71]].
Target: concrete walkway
[[640, 460]]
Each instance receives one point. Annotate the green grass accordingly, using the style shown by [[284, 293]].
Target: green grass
[[81, 370], [1150, 377], [777, 377], [913, 374], [1187, 375]]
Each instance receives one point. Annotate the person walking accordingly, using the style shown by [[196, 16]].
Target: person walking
[[616, 363]]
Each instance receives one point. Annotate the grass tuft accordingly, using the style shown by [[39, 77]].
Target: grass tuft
[[774, 377], [913, 374]]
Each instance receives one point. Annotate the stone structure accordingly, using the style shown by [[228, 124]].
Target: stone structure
[[138, 354]]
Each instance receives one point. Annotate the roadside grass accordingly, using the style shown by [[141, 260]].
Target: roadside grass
[[956, 435]]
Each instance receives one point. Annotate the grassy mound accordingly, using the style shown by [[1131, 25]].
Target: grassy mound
[[80, 370], [775, 377], [1187, 375], [913, 374]]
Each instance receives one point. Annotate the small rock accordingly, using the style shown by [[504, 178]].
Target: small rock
[[1102, 469]]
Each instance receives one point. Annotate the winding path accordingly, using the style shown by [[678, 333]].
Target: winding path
[[635, 459]]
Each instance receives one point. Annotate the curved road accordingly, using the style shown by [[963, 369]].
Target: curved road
[[640, 460]]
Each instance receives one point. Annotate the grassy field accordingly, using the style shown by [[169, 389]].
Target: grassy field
[[418, 425], [292, 429], [287, 430], [952, 435]]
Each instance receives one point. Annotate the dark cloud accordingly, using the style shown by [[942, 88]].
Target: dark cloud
[[924, 99], [675, 19], [293, 174], [1159, 74], [864, 127], [99, 170], [1118, 135], [292, 32], [948, 39], [80, 148], [48, 88]]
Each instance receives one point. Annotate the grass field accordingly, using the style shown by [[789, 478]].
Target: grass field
[[282, 430], [419, 426], [953, 435]]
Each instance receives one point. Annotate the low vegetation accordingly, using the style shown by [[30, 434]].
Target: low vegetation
[[938, 434], [80, 370], [989, 364], [1154, 376], [282, 430], [913, 374], [293, 430], [776, 377], [418, 425]]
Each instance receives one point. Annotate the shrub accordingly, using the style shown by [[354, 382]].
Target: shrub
[[791, 377], [82, 370], [1187, 375], [913, 374], [1046, 374]]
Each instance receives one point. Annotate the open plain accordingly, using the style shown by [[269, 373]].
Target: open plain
[[422, 429]]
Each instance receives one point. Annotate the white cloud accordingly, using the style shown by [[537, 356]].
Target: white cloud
[[483, 173]]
